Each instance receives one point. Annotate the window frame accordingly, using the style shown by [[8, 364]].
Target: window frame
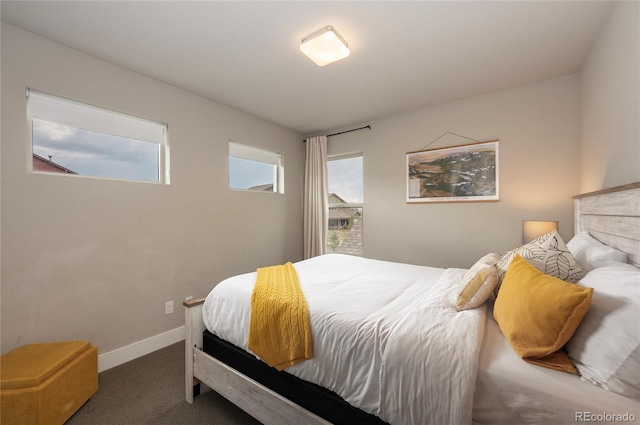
[[359, 205], [261, 155], [151, 136]]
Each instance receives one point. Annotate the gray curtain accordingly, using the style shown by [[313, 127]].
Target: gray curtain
[[316, 210]]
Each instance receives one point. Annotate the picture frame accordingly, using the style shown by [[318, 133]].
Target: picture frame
[[463, 173]]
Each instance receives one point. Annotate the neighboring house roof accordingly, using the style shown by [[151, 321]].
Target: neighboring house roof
[[340, 213], [352, 242], [337, 213], [42, 164], [343, 213], [335, 199], [263, 187]]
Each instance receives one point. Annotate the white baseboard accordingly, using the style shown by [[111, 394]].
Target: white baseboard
[[138, 349]]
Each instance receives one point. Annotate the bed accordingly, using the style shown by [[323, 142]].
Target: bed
[[478, 379]]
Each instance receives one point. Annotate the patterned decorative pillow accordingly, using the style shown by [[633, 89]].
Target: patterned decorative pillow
[[549, 254]]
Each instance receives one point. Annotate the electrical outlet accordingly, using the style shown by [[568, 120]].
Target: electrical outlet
[[168, 307]]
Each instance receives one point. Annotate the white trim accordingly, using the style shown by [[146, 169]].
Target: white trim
[[348, 155], [79, 115], [93, 118], [252, 153], [138, 349], [262, 156]]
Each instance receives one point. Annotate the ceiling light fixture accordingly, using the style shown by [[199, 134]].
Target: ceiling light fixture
[[324, 46]]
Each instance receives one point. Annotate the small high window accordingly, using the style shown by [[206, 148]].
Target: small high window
[[257, 169], [74, 138]]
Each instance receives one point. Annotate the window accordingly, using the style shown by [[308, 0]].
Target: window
[[345, 174], [75, 138], [256, 169]]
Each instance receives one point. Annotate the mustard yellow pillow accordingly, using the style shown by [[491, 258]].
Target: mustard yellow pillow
[[538, 314]]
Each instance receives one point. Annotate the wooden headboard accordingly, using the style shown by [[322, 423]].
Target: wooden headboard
[[613, 217]]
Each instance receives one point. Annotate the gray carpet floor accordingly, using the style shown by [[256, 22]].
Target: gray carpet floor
[[150, 390]]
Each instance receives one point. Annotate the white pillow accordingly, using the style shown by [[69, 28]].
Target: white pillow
[[478, 283], [606, 346], [591, 253]]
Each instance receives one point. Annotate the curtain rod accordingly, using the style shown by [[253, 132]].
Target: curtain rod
[[346, 131]]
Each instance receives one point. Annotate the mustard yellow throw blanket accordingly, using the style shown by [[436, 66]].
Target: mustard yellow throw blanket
[[279, 329]]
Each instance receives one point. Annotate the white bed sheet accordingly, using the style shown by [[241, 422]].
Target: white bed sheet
[[359, 309], [512, 391]]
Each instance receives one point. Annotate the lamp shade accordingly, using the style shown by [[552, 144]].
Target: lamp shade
[[533, 229], [324, 46]]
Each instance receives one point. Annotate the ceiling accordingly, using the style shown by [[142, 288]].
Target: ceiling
[[404, 55]]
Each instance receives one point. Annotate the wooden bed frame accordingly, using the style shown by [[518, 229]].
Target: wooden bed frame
[[254, 398], [611, 216]]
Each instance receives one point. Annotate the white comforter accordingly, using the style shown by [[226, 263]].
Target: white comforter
[[386, 336]]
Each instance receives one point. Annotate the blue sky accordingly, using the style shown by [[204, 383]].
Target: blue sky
[[91, 153], [345, 178], [244, 173]]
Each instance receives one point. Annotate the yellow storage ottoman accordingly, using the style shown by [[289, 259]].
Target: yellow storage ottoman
[[47, 383]]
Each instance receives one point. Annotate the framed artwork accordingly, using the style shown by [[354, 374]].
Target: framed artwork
[[454, 174]]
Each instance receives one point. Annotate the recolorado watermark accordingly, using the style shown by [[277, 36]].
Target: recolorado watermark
[[604, 417]]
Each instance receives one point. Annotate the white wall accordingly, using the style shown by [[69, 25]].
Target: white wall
[[610, 103], [537, 126], [97, 259]]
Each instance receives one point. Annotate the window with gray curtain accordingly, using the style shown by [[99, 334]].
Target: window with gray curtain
[[315, 197]]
